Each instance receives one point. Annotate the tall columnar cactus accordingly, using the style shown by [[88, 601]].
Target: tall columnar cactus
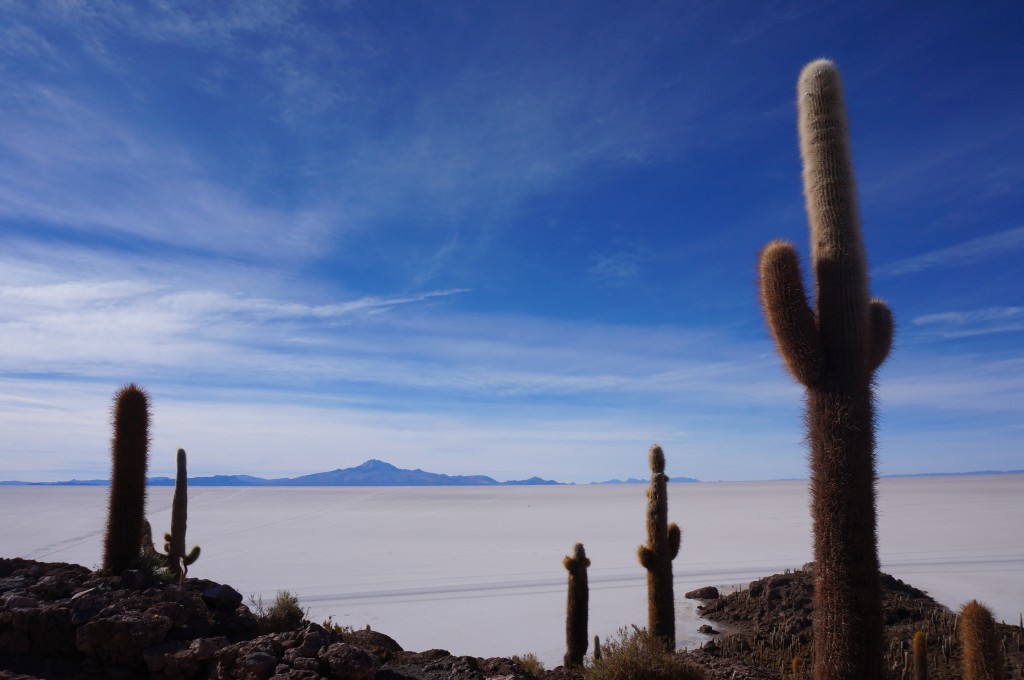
[[656, 557], [833, 349], [174, 545], [982, 655], [920, 655], [577, 607], [129, 453]]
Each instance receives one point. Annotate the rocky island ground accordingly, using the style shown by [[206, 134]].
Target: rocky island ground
[[61, 620]]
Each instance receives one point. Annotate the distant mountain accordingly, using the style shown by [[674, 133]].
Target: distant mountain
[[634, 480], [378, 473], [370, 473]]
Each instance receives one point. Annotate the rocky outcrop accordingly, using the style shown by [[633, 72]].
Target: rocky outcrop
[[769, 624], [64, 621]]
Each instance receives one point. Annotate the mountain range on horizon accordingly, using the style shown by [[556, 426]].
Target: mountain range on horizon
[[370, 473], [375, 472]]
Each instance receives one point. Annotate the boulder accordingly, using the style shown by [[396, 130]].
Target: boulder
[[705, 593], [342, 661], [222, 598]]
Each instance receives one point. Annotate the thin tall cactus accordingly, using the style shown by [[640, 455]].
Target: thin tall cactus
[[177, 559], [920, 655], [122, 542], [833, 349], [577, 607], [982, 655], [663, 542]]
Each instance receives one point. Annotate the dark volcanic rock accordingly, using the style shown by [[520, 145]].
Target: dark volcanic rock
[[61, 620], [705, 593], [771, 623], [222, 597], [342, 661]]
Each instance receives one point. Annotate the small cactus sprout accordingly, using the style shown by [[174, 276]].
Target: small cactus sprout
[[129, 454], [597, 648], [656, 557], [174, 545], [982, 654], [148, 549], [576, 610], [920, 655], [833, 349]]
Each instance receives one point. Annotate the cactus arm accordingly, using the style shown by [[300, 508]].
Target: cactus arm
[[881, 334], [646, 557], [568, 562], [675, 539], [787, 313], [192, 556], [148, 547]]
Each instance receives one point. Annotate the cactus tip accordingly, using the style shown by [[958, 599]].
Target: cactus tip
[[657, 459]]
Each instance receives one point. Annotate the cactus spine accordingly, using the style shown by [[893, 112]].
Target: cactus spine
[[577, 607], [129, 453], [174, 545], [656, 557], [920, 656], [833, 350], [982, 655]]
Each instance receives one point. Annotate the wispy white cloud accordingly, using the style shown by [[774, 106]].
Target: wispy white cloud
[[966, 252], [616, 267], [71, 165], [973, 322], [956, 384]]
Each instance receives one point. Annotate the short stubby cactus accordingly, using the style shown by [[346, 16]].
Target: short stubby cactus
[[833, 349], [177, 559], [122, 543], [577, 607], [663, 542], [982, 655]]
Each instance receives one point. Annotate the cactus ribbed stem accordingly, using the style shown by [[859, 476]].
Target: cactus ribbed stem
[[177, 559], [656, 557], [982, 655], [129, 458], [833, 349], [577, 607], [920, 656]]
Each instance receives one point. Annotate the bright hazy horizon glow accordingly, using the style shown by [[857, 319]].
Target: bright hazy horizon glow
[[509, 239]]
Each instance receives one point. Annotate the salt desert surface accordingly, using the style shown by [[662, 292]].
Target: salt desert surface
[[478, 571]]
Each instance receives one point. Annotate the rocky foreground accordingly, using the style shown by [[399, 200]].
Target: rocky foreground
[[62, 620], [768, 624]]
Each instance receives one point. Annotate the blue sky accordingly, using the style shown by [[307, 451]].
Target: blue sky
[[504, 238]]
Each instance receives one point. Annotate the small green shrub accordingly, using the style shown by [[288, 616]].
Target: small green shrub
[[284, 615], [531, 663], [638, 655], [337, 628]]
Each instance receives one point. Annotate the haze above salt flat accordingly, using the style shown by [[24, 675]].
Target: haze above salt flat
[[477, 570]]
